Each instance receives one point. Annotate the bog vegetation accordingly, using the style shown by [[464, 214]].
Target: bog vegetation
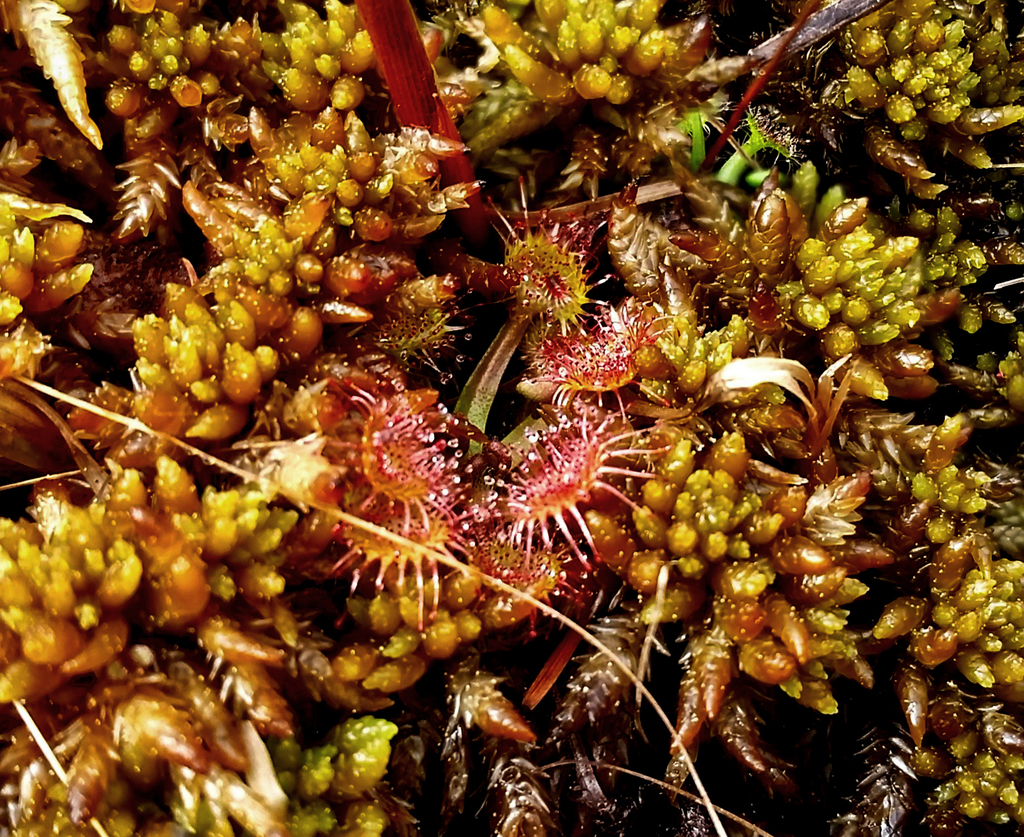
[[472, 418]]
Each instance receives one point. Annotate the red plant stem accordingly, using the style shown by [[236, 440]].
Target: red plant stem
[[820, 26], [555, 665], [402, 60], [758, 83]]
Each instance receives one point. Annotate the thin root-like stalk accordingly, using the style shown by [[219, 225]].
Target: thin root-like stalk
[[51, 757], [655, 190], [644, 663], [43, 478], [758, 83], [760, 832], [92, 472]]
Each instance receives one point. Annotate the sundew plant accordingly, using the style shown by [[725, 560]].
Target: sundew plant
[[511, 417]]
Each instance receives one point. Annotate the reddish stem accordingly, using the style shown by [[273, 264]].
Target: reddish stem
[[758, 83], [402, 60], [555, 665], [820, 26]]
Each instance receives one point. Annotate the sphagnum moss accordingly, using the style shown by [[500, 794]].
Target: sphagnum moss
[[760, 427]]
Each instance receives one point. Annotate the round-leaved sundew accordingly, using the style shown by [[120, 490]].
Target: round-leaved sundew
[[564, 468]]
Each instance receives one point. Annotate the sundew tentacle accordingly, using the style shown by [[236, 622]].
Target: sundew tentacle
[[567, 465], [393, 564], [409, 457]]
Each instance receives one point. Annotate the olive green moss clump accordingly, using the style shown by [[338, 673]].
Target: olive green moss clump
[[951, 260], [857, 277], [1011, 374], [682, 359], [210, 359], [316, 61], [39, 268], [976, 755], [776, 577], [598, 50], [164, 54], [75, 577], [399, 640], [329, 785], [931, 76]]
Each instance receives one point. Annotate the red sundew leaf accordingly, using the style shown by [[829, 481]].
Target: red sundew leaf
[[402, 60]]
